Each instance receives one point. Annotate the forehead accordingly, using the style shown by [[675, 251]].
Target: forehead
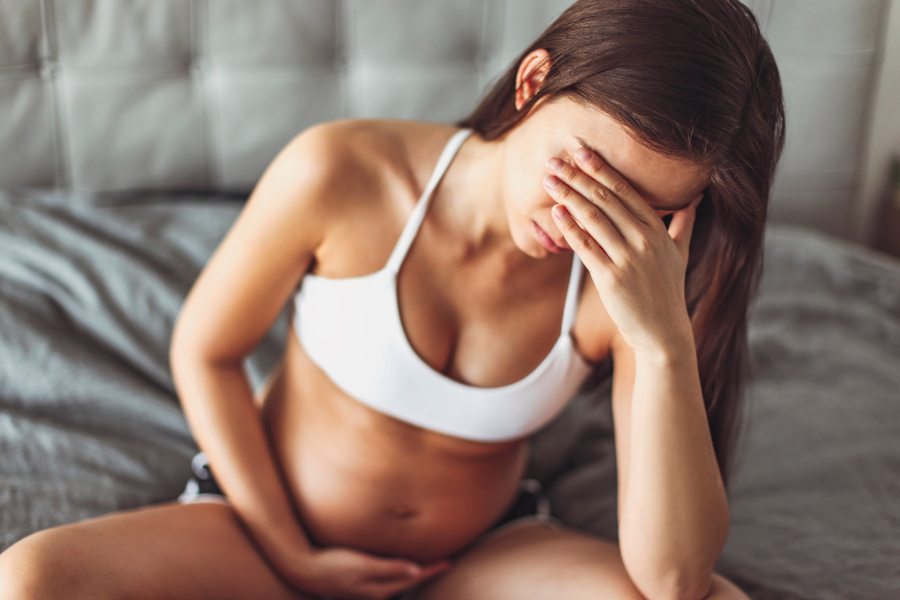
[[663, 181]]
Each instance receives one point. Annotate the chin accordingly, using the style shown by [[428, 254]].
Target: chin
[[536, 251], [528, 244]]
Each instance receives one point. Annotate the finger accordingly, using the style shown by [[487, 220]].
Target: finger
[[390, 588], [435, 567], [597, 168], [591, 219], [682, 226], [596, 193], [392, 569], [589, 251]]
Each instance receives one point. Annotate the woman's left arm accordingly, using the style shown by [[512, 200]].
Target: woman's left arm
[[673, 520]]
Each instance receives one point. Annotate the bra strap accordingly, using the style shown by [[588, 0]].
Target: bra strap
[[418, 213], [572, 295]]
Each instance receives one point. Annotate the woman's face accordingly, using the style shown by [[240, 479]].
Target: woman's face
[[557, 128]]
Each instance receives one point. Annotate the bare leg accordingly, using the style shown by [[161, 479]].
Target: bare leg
[[190, 551], [541, 562]]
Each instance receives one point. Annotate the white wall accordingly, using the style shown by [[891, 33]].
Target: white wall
[[883, 137]]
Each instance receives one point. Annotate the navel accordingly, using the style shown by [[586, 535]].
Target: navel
[[404, 512]]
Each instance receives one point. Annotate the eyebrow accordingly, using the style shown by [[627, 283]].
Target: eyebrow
[[600, 154]]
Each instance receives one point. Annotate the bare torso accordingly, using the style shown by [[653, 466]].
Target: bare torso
[[363, 479], [366, 480]]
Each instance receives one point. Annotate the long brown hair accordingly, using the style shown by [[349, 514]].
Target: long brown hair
[[692, 79]]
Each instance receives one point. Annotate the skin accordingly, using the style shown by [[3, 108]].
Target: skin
[[330, 497]]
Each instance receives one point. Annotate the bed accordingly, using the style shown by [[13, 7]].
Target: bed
[[90, 423], [117, 184]]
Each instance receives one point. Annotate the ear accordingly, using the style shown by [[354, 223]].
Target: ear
[[531, 74]]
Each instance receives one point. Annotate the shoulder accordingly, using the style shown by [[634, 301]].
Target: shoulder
[[351, 160], [345, 188], [329, 161]]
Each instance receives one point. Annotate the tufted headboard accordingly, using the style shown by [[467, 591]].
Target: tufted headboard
[[101, 95]]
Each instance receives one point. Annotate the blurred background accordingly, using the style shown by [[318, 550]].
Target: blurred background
[[102, 95]]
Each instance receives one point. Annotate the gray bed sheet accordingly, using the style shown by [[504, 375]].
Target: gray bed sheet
[[89, 421]]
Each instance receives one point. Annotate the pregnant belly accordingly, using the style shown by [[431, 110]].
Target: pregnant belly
[[361, 479], [423, 511]]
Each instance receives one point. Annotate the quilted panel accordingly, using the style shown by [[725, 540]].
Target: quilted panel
[[111, 32], [442, 93], [263, 33], [27, 130], [524, 21], [404, 32], [135, 131], [117, 95], [260, 111], [514, 26], [20, 32], [426, 67]]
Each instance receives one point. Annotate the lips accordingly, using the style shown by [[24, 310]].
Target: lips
[[548, 242]]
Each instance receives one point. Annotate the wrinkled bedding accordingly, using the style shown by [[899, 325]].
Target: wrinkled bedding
[[90, 286]]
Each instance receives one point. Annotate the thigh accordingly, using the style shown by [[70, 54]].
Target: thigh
[[536, 562], [190, 551], [546, 562]]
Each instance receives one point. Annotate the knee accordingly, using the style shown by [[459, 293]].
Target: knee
[[43, 565]]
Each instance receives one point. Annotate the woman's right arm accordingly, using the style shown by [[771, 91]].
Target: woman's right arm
[[233, 303]]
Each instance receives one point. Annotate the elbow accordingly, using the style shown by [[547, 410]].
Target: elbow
[[675, 582], [678, 586], [185, 358], [179, 343], [187, 347], [180, 353], [683, 572]]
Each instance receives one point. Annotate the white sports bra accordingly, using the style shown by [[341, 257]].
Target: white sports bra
[[351, 329]]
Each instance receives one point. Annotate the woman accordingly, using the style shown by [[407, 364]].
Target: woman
[[442, 316]]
